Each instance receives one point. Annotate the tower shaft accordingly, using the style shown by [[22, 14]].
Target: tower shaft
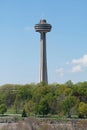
[[43, 59]]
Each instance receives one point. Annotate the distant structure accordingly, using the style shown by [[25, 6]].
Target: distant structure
[[43, 27]]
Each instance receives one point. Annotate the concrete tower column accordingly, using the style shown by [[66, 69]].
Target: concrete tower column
[[43, 28], [43, 59]]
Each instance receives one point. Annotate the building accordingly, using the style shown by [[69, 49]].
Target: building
[[43, 27]]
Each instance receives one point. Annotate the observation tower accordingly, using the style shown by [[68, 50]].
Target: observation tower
[[43, 27]]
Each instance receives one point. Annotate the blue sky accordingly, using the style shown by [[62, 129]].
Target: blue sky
[[20, 44]]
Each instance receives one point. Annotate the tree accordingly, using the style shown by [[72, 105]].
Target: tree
[[42, 108], [29, 107], [80, 91], [40, 92], [17, 103], [69, 83], [68, 104], [82, 109], [24, 114], [3, 109], [52, 102], [7, 94]]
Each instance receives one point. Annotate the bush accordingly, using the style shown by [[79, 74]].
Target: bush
[[24, 114], [3, 109]]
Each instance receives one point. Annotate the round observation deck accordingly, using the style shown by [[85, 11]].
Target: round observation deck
[[43, 26]]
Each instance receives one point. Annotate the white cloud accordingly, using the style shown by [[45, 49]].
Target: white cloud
[[76, 68], [79, 64], [60, 71], [81, 61]]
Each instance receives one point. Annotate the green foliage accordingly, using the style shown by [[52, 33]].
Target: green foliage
[[30, 107], [17, 103], [8, 94], [82, 109], [3, 109], [68, 104], [43, 99], [43, 107], [24, 114], [69, 83]]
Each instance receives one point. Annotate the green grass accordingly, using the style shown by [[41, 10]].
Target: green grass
[[12, 111]]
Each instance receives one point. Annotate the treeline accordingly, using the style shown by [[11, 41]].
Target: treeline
[[67, 99]]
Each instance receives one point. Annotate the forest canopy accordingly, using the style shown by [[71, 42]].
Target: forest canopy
[[40, 99]]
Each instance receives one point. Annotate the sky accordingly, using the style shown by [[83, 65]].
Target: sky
[[20, 44]]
